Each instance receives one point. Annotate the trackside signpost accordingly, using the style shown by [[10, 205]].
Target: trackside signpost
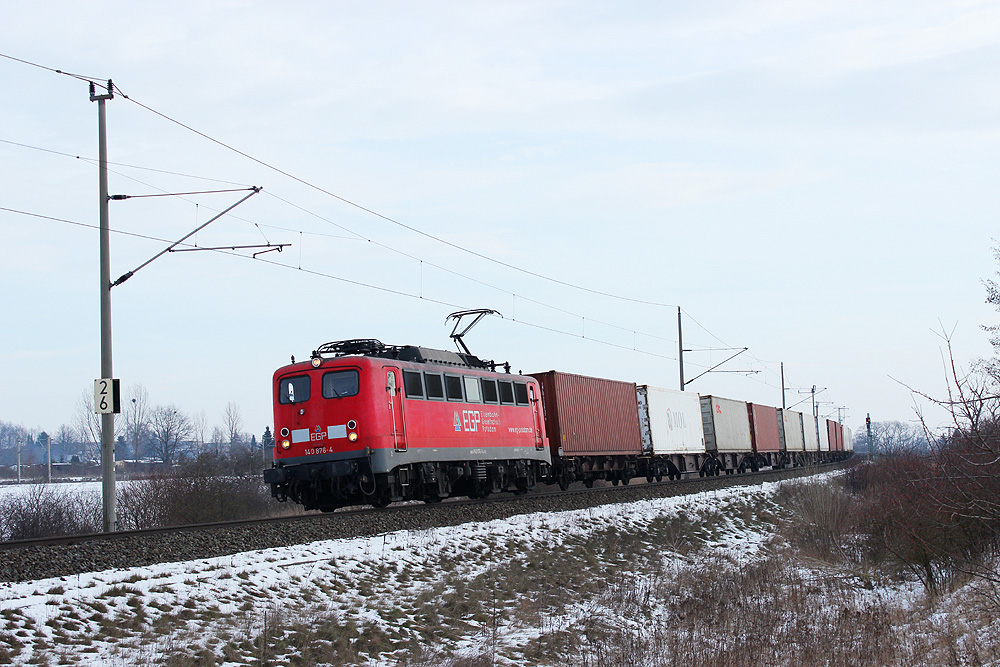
[[107, 396]]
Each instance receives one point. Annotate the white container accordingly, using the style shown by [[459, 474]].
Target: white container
[[824, 435], [809, 433], [791, 431], [670, 421], [726, 423], [848, 440]]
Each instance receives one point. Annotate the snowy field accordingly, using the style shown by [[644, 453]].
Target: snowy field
[[10, 490], [425, 597]]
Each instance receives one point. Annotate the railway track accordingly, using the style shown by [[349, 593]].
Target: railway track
[[24, 560]]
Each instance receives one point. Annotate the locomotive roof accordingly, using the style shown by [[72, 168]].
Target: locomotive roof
[[370, 347]]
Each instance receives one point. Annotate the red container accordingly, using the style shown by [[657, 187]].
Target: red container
[[836, 433], [589, 416], [764, 428]]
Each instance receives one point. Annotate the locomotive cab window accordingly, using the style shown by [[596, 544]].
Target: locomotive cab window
[[506, 392], [435, 390], [472, 390], [490, 391], [293, 390], [453, 387], [521, 393], [412, 384], [339, 384]]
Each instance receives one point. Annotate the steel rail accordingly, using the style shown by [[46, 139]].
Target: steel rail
[[719, 481]]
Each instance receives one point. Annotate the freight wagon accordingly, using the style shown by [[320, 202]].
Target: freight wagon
[[727, 435], [593, 428], [673, 440], [792, 440], [765, 435]]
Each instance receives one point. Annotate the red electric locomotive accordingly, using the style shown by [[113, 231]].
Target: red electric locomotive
[[366, 423]]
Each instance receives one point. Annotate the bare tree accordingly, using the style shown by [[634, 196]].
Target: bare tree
[[199, 426], [88, 425], [66, 439], [895, 437], [218, 438], [993, 298], [137, 416], [169, 428], [233, 422]]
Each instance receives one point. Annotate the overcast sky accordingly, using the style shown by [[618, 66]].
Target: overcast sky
[[816, 181]]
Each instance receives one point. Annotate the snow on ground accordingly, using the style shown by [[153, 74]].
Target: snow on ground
[[87, 487], [139, 614], [517, 591]]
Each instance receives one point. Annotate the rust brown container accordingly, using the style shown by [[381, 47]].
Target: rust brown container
[[589, 416], [764, 428], [836, 435]]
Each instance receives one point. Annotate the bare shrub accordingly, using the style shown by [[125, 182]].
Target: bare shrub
[[932, 516], [43, 511], [822, 520], [179, 500]]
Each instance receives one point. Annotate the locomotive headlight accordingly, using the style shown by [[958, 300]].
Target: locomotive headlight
[[316, 362], [352, 436], [284, 433], [285, 444]]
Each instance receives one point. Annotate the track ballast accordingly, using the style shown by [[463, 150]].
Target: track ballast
[[65, 556]]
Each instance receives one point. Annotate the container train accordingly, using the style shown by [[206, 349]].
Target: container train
[[362, 422]]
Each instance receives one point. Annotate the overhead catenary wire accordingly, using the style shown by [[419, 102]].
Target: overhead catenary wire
[[355, 234], [89, 79], [387, 218], [361, 237], [342, 279]]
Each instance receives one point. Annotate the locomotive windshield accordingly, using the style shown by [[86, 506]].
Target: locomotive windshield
[[293, 390], [338, 384]]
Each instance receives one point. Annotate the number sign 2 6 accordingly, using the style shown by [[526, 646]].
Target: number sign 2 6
[[107, 396]]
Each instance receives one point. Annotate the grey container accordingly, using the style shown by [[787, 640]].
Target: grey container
[[726, 423], [670, 421], [791, 431]]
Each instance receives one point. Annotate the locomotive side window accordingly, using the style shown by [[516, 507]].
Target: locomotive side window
[[411, 382], [490, 391], [435, 390], [472, 390], [453, 387], [293, 390], [338, 384], [506, 392], [521, 393]]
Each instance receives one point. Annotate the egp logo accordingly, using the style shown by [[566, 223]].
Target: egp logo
[[471, 419]]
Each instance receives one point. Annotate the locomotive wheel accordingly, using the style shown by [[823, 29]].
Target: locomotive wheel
[[659, 477], [563, 483], [432, 499], [625, 479], [649, 477], [615, 480], [589, 482]]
